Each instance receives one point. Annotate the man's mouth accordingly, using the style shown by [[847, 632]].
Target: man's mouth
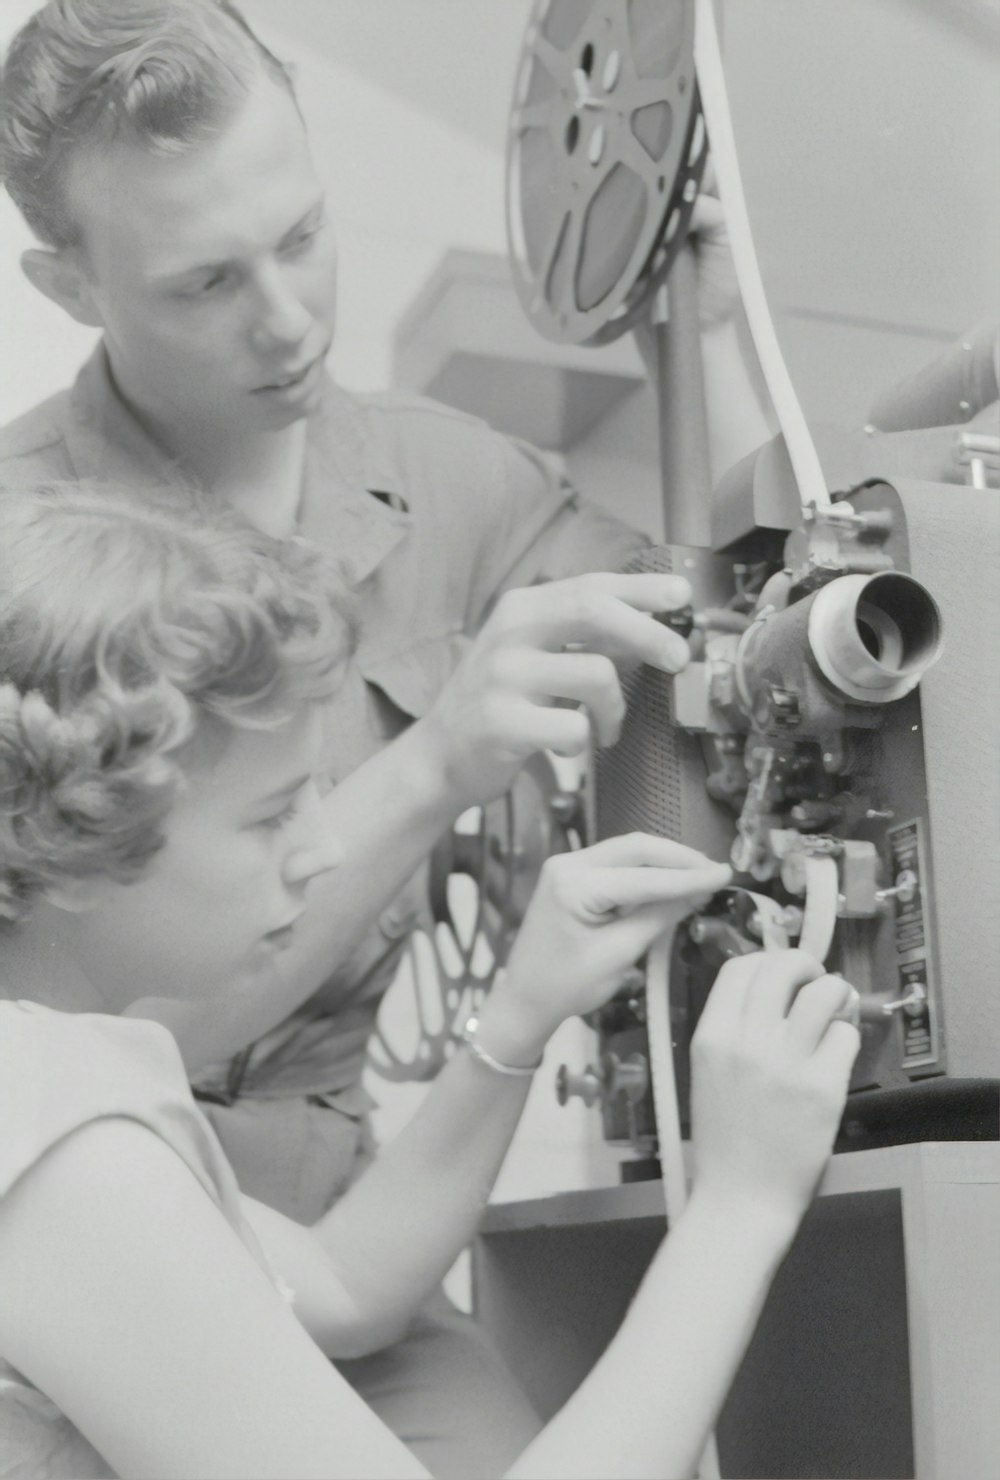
[[291, 378]]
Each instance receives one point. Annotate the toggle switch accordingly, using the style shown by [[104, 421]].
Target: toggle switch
[[877, 1009], [904, 889]]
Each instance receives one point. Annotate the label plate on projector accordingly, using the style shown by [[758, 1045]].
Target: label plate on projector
[[921, 1046]]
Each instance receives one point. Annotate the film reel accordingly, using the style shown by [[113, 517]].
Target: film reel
[[606, 148], [481, 879]]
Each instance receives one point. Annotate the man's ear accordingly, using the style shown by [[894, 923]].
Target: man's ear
[[58, 274]]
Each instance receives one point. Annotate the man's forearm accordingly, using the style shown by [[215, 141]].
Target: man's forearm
[[388, 814], [647, 1408]]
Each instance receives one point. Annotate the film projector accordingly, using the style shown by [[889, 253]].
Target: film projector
[[834, 735]]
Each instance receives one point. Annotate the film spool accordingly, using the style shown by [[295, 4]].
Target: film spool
[[481, 878], [606, 148]]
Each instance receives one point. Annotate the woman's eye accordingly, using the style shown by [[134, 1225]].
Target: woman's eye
[[303, 237], [279, 819]]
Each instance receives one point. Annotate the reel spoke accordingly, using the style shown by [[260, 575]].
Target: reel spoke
[[556, 63], [532, 115], [481, 882]]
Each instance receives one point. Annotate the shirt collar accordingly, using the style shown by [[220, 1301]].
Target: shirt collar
[[104, 439], [345, 464]]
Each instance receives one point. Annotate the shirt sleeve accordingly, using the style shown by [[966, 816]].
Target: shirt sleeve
[[543, 530]]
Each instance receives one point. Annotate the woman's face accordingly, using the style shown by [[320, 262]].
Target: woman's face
[[197, 941]]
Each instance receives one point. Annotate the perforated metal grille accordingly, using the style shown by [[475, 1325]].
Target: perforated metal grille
[[638, 782]]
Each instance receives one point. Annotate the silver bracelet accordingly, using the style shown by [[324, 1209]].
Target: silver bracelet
[[516, 1071]]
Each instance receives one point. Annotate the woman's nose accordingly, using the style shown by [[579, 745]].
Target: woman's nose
[[313, 847], [309, 860]]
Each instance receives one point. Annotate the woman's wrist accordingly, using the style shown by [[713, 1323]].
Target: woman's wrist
[[470, 1037], [763, 1222], [509, 1032]]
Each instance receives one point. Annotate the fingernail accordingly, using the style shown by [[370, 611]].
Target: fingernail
[[676, 656]]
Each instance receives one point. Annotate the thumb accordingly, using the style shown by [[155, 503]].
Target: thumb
[[708, 220], [606, 892]]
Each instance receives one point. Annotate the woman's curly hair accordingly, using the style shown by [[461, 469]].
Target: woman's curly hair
[[127, 621]]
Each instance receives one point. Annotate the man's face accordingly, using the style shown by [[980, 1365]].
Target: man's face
[[198, 941], [213, 271]]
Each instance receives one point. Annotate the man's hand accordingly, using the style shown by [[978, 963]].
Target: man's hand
[[718, 289], [594, 913], [539, 649]]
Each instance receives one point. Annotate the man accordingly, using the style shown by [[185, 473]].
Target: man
[[156, 149]]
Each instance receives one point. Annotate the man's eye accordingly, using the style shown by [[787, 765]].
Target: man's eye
[[204, 286]]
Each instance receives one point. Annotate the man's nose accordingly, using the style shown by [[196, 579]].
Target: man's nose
[[279, 317]]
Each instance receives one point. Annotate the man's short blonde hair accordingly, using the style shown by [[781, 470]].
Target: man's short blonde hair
[[127, 627], [165, 73]]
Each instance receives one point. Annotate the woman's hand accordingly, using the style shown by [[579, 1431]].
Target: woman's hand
[[771, 1060], [593, 914]]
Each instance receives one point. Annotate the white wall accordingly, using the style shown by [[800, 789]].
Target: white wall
[[869, 138]]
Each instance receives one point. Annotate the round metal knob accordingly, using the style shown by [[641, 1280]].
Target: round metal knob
[[626, 1076], [586, 1086]]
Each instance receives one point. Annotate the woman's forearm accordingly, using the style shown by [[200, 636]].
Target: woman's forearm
[[362, 1271], [397, 1231], [646, 1409]]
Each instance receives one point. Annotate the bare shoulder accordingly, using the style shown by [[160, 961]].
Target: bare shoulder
[[126, 1292], [88, 1214], [92, 1177]]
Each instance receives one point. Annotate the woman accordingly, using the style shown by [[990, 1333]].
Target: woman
[[159, 733]]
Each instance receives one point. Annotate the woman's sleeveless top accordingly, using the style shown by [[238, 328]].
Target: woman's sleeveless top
[[60, 1071]]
